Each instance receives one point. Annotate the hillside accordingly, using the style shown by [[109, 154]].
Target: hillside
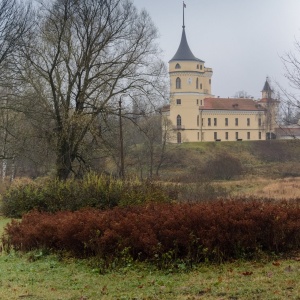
[[264, 166]]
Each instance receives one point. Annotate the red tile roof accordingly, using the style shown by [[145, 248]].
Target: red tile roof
[[266, 100], [290, 130], [231, 104]]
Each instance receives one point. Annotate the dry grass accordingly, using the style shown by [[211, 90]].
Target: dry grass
[[286, 188]]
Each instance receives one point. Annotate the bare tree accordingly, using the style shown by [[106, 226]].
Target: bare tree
[[290, 98], [242, 94], [15, 22], [83, 56]]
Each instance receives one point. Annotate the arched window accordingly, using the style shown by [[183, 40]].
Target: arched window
[[197, 83], [179, 137], [178, 121], [177, 66], [178, 83]]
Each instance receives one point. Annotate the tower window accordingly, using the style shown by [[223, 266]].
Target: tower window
[[200, 67], [226, 135], [197, 101], [178, 83], [248, 121], [178, 120], [177, 66], [215, 121], [197, 120], [200, 86], [236, 121], [209, 121], [197, 83], [259, 135], [248, 135], [215, 135], [178, 101], [226, 121], [197, 66], [236, 135], [209, 81]]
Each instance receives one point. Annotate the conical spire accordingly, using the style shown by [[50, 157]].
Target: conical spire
[[184, 52], [267, 91], [267, 87]]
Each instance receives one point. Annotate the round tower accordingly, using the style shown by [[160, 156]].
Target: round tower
[[190, 84]]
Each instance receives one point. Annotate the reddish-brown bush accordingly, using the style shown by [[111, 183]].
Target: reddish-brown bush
[[216, 230]]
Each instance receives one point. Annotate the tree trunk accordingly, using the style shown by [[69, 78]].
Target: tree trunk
[[64, 159]]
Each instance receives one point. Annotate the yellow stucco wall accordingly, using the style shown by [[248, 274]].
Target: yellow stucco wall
[[187, 101]]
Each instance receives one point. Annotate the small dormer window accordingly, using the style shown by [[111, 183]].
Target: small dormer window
[[177, 66]]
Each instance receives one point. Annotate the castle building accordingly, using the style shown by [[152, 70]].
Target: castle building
[[196, 115]]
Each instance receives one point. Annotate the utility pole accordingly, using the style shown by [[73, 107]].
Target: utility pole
[[122, 169]]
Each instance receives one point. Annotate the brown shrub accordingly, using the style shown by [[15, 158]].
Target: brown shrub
[[195, 232]]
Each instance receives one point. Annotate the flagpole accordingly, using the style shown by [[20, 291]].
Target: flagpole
[[183, 14]]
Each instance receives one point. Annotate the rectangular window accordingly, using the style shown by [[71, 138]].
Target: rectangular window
[[248, 121], [200, 102], [259, 135], [202, 136], [248, 135], [202, 122], [197, 120], [215, 135], [209, 121], [198, 136], [236, 135], [226, 135], [236, 121], [259, 122], [178, 101], [226, 121], [215, 121], [197, 101]]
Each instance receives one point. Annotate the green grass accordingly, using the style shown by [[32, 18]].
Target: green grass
[[46, 278]]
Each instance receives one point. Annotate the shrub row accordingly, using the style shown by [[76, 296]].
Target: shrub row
[[101, 192], [217, 231]]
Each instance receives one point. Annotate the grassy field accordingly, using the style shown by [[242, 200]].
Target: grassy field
[[44, 277]]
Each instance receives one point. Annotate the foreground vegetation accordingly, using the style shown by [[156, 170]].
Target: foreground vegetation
[[164, 234], [129, 218], [36, 276]]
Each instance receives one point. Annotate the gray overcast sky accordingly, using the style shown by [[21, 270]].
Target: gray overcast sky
[[242, 40]]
